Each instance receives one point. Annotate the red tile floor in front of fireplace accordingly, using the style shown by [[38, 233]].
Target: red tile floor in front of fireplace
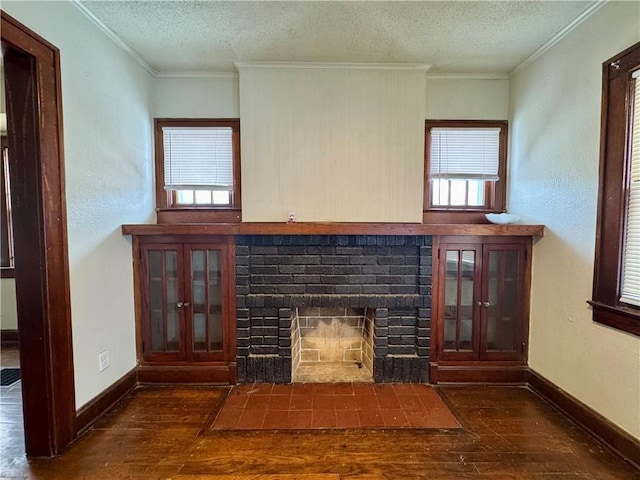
[[338, 405]]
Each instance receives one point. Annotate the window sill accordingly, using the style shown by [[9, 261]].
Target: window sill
[[622, 318], [199, 215], [456, 216], [6, 272]]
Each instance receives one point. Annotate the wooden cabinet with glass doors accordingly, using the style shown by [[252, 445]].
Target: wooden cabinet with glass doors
[[480, 309], [186, 308]]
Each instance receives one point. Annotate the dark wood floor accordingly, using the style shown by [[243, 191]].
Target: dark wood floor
[[157, 433]]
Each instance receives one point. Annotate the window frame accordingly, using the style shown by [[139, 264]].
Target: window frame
[[6, 271], [495, 192], [615, 162], [167, 211]]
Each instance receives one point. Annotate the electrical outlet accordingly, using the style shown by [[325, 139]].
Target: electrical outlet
[[103, 360]]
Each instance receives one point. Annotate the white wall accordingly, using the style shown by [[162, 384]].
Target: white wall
[[108, 162], [446, 98], [208, 97], [467, 99], [555, 127], [8, 312]]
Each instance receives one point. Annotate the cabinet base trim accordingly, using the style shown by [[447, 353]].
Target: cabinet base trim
[[223, 374], [479, 374], [612, 436]]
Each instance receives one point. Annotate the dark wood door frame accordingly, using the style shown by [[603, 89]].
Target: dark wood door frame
[[34, 118]]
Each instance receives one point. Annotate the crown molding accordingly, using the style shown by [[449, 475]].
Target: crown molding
[[336, 65], [205, 74], [113, 37], [467, 76], [590, 10]]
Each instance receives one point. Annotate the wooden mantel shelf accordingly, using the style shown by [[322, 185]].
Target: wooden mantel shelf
[[332, 229]]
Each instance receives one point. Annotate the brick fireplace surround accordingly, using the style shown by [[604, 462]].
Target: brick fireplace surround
[[390, 274]]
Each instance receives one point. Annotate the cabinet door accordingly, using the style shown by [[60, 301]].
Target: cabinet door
[[503, 302], [207, 311], [460, 290], [162, 292]]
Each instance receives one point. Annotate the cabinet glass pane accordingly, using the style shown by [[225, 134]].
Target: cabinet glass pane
[[163, 296], [199, 332], [215, 300], [207, 300], [171, 274], [503, 294], [458, 310], [199, 299]]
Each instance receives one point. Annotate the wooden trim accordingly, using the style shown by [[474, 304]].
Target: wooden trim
[[34, 111], [193, 215], [7, 272], [231, 339], [219, 373], [612, 436], [436, 216], [87, 415], [9, 338], [495, 192], [621, 318], [478, 373], [6, 228], [615, 140], [333, 229]]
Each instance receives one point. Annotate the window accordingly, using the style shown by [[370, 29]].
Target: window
[[197, 164], [6, 227], [616, 288], [465, 165]]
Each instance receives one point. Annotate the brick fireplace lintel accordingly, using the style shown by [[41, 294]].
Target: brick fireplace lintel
[[355, 301]]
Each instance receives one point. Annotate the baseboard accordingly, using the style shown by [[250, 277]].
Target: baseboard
[[612, 436], [9, 338], [87, 415]]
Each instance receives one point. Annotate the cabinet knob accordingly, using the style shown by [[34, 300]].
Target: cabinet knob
[[180, 304], [486, 304], [479, 304], [186, 304]]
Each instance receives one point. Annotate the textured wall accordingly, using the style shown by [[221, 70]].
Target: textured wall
[[555, 127], [467, 99], [108, 173], [208, 97]]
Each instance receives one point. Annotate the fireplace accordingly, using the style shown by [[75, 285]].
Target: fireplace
[[281, 279], [331, 345]]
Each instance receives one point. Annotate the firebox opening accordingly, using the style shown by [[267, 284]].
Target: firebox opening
[[332, 344]]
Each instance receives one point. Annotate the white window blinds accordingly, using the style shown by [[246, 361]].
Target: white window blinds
[[631, 270], [464, 153], [198, 158]]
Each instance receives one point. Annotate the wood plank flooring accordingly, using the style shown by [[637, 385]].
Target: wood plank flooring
[[156, 433]]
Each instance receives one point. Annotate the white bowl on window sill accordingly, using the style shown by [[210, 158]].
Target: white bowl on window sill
[[502, 218]]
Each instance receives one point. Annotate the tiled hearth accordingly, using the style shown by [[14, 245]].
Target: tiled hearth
[[387, 276], [340, 405]]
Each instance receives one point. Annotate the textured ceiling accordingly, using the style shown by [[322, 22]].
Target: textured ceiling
[[454, 36]]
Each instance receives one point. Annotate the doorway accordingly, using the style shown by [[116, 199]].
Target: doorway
[[34, 132]]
